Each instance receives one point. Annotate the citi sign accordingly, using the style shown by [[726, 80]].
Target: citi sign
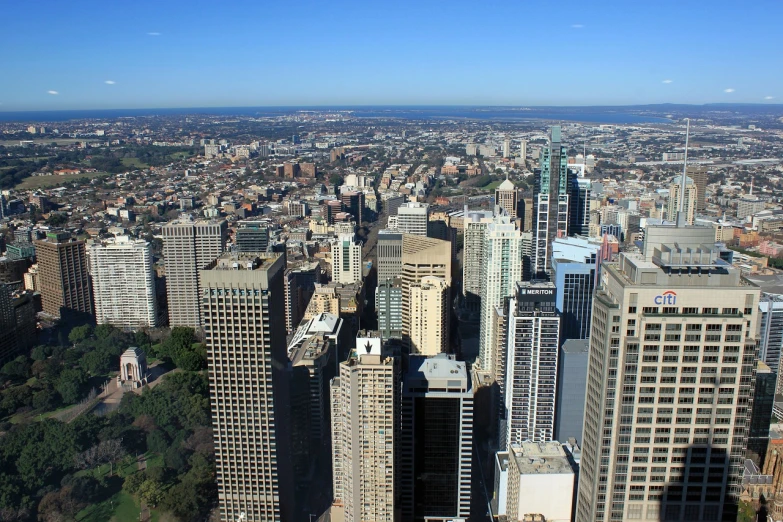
[[666, 298]]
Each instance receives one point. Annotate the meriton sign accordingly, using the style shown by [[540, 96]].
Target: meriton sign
[[666, 298]]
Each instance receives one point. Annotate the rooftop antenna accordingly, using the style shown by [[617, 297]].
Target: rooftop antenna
[[682, 219]]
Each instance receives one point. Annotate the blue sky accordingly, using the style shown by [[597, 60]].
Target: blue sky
[[171, 53]]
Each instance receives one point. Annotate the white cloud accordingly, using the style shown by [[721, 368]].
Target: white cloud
[[154, 34], [577, 26], [667, 81], [769, 97], [109, 82], [52, 92], [729, 90]]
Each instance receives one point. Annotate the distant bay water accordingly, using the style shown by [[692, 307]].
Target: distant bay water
[[604, 115]]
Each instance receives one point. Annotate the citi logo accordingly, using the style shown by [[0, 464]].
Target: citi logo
[[666, 298]]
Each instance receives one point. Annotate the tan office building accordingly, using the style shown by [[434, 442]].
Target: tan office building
[[188, 246], [429, 316], [669, 384], [244, 325], [62, 275], [421, 257]]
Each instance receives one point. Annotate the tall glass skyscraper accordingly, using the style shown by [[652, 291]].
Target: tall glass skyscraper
[[574, 265], [550, 217]]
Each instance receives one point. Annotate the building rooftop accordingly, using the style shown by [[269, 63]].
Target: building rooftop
[[244, 261], [541, 458], [576, 346]]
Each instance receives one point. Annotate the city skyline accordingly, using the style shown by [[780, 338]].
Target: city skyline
[[185, 56]]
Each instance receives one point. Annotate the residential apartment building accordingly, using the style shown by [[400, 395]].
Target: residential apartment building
[[533, 341], [365, 400], [501, 271], [474, 230], [123, 283]]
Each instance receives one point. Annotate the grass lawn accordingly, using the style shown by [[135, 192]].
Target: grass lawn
[[34, 182], [492, 186], [121, 507], [180, 155], [134, 162]]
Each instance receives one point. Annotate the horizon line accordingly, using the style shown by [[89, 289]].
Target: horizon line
[[423, 106]]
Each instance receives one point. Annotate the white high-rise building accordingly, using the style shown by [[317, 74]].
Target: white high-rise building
[[429, 302], [501, 270], [188, 246], [670, 383], [474, 229], [413, 218], [123, 283], [346, 260], [365, 401], [506, 148], [533, 344]]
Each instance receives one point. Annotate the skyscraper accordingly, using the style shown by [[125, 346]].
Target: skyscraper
[[413, 218], [531, 372], [123, 283], [771, 331], [389, 255], [698, 173], [188, 246], [436, 447], [244, 324], [501, 270], [388, 305], [474, 230], [579, 206], [62, 274], [507, 148], [507, 197], [571, 384], [421, 257], [574, 263], [365, 434], [674, 200], [670, 381], [550, 217], [429, 316], [346, 260]]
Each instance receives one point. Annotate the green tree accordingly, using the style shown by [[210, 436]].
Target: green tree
[[151, 492], [41, 352], [19, 368], [104, 331], [182, 501], [157, 442], [133, 482], [70, 383], [45, 399], [80, 333]]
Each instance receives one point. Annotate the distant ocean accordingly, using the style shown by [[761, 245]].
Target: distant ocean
[[607, 115]]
